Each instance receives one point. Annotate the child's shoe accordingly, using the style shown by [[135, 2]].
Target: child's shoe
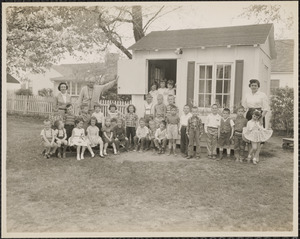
[[169, 152], [82, 157], [78, 157], [198, 157], [175, 154], [209, 156], [93, 155], [58, 155], [104, 153], [64, 155], [163, 151], [189, 157], [249, 158], [254, 161], [214, 156]]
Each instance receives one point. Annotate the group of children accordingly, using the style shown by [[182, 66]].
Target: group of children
[[160, 126]]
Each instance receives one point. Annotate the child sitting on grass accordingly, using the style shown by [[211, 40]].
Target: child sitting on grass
[[108, 138], [60, 138], [48, 137], [141, 136], [79, 139], [93, 136], [120, 136], [173, 121], [225, 133], [160, 140]]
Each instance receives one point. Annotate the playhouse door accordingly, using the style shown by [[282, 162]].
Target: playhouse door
[[132, 77]]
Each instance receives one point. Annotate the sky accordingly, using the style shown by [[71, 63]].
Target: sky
[[196, 15]]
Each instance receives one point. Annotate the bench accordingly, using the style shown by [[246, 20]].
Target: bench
[[287, 143]]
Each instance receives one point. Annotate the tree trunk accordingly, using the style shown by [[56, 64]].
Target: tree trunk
[[137, 19]]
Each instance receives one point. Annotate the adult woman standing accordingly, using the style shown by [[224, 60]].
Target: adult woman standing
[[256, 100], [62, 99]]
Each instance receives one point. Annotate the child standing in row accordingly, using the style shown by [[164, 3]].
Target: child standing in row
[[131, 122], [211, 127], [108, 136], [194, 132], [255, 133], [120, 136], [93, 136], [160, 140], [159, 110], [239, 144], [79, 139], [152, 130], [141, 137], [172, 129], [225, 133], [184, 140], [48, 137], [60, 138], [99, 117]]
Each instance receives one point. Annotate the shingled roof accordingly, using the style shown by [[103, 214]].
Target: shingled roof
[[207, 37], [285, 56]]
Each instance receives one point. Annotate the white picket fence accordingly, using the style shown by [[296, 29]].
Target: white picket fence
[[38, 105]]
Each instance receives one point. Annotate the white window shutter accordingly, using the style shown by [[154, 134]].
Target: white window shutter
[[132, 77]]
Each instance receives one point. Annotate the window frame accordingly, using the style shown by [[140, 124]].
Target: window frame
[[214, 83]]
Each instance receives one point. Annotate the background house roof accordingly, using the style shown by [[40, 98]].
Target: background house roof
[[11, 79], [206, 37], [77, 72], [285, 56]]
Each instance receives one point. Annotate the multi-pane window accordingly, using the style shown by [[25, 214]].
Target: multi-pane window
[[205, 86], [214, 85], [223, 83], [74, 88]]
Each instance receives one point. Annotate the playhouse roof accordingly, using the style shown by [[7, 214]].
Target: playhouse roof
[[285, 56], [11, 79], [208, 37]]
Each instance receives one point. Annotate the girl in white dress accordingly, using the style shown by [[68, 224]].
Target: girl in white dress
[[79, 139], [93, 136], [255, 133]]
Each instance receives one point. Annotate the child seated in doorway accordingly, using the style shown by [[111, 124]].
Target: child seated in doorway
[[163, 90]]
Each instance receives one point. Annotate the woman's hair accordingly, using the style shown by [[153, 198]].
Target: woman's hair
[[46, 121], [257, 113], [134, 108], [254, 81], [62, 83], [112, 105], [241, 108], [93, 118]]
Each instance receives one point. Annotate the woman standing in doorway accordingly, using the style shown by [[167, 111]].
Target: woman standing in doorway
[[256, 100], [62, 99]]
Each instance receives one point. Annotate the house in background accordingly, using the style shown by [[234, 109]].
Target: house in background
[[210, 65], [282, 68], [75, 74], [12, 83]]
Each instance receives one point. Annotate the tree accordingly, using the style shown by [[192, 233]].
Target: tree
[[282, 107], [271, 13], [45, 92], [38, 37]]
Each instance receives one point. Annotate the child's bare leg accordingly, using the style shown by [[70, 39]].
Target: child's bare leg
[[256, 152], [105, 147], [90, 150], [82, 152], [114, 147], [174, 146], [259, 146], [78, 152], [221, 153], [170, 146], [228, 152], [101, 147]]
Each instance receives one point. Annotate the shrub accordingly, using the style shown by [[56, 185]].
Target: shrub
[[45, 92], [282, 107], [24, 92]]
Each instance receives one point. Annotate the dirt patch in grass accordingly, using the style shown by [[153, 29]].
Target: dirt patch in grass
[[143, 192]]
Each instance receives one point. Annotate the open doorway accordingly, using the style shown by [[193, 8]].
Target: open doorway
[[161, 69]]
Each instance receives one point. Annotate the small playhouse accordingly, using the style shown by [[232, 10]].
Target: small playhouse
[[209, 65]]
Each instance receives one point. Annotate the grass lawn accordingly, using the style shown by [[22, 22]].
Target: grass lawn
[[142, 191]]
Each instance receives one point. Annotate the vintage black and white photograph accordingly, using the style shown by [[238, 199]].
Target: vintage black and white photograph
[[149, 118]]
